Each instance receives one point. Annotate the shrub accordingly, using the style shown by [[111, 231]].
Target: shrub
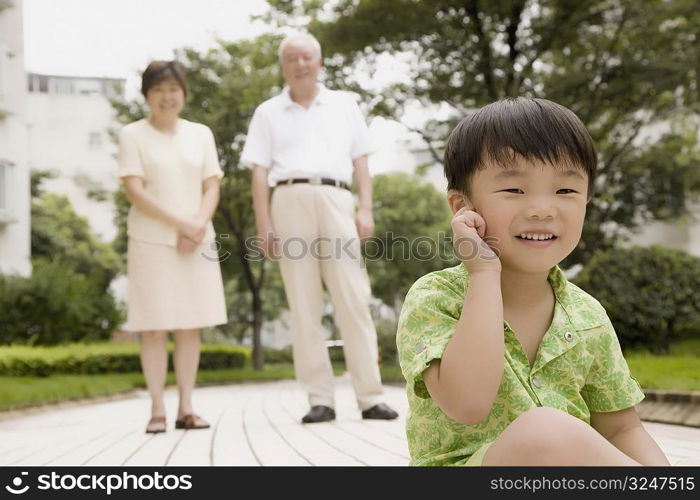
[[386, 338], [55, 305], [650, 294], [86, 359], [278, 356]]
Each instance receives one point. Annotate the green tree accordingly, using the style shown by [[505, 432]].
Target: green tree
[[225, 85], [67, 297], [621, 66], [412, 235], [59, 234]]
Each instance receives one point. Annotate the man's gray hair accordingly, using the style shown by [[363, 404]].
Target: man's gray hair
[[295, 37]]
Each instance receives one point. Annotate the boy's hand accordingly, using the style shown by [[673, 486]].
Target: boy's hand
[[468, 229]]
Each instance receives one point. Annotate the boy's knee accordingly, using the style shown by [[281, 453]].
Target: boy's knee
[[542, 416], [546, 430]]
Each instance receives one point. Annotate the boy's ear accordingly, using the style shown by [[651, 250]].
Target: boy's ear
[[458, 200]]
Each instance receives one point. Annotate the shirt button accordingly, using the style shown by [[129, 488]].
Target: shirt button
[[569, 336], [536, 382], [420, 347]]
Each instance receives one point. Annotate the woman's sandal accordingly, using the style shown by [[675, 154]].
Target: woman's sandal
[[156, 425], [191, 421]]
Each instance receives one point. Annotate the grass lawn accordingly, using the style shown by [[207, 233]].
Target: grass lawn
[[20, 392], [679, 369], [666, 372]]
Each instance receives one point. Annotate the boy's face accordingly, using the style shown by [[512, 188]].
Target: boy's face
[[533, 211]]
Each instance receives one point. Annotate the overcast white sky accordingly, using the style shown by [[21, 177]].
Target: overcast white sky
[[117, 38]]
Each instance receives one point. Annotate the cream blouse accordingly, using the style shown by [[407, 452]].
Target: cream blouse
[[173, 168]]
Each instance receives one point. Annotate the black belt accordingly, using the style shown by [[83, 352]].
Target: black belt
[[316, 181]]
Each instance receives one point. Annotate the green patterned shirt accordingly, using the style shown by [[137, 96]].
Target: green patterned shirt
[[579, 367]]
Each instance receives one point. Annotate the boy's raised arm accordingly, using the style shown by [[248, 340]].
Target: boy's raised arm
[[464, 383]]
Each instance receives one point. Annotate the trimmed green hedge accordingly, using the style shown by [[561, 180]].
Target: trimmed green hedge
[[386, 339], [285, 356], [651, 294], [77, 359]]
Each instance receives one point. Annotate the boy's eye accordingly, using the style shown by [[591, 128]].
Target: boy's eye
[[513, 190], [567, 191]]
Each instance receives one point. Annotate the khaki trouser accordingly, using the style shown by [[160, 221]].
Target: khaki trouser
[[319, 241]]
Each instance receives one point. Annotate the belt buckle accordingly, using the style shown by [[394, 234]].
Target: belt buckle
[[315, 181]]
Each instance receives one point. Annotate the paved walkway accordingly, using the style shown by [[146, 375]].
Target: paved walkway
[[252, 424]]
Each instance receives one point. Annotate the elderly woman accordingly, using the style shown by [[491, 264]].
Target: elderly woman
[[170, 171]]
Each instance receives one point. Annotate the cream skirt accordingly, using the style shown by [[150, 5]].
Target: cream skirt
[[168, 290]]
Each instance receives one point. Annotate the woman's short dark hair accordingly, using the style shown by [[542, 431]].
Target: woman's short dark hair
[[158, 71], [536, 129]]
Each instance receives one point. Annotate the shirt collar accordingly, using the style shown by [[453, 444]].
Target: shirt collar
[[569, 296], [321, 97]]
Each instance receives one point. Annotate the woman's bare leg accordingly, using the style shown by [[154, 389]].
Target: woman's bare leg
[[546, 436], [154, 363], [186, 361]]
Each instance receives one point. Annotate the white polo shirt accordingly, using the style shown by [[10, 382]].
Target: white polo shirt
[[293, 141]]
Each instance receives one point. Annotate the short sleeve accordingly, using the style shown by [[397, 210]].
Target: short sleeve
[[361, 144], [128, 157], [609, 386], [211, 158], [427, 322], [258, 143]]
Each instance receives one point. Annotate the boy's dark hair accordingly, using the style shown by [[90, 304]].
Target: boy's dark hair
[[158, 71], [536, 129]]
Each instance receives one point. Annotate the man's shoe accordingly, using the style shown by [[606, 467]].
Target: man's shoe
[[379, 412], [319, 413]]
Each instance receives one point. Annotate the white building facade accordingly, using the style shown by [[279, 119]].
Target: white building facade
[[15, 232], [68, 123]]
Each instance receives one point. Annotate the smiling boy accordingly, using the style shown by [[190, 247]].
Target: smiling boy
[[506, 362]]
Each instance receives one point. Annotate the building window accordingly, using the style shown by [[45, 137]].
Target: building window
[[64, 86], [4, 184], [112, 88], [38, 83], [6, 76], [95, 140], [43, 84]]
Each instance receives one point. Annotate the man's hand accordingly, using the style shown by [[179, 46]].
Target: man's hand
[[268, 241], [365, 224], [186, 245], [468, 229]]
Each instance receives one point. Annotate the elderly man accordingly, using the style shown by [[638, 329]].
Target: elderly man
[[307, 143]]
